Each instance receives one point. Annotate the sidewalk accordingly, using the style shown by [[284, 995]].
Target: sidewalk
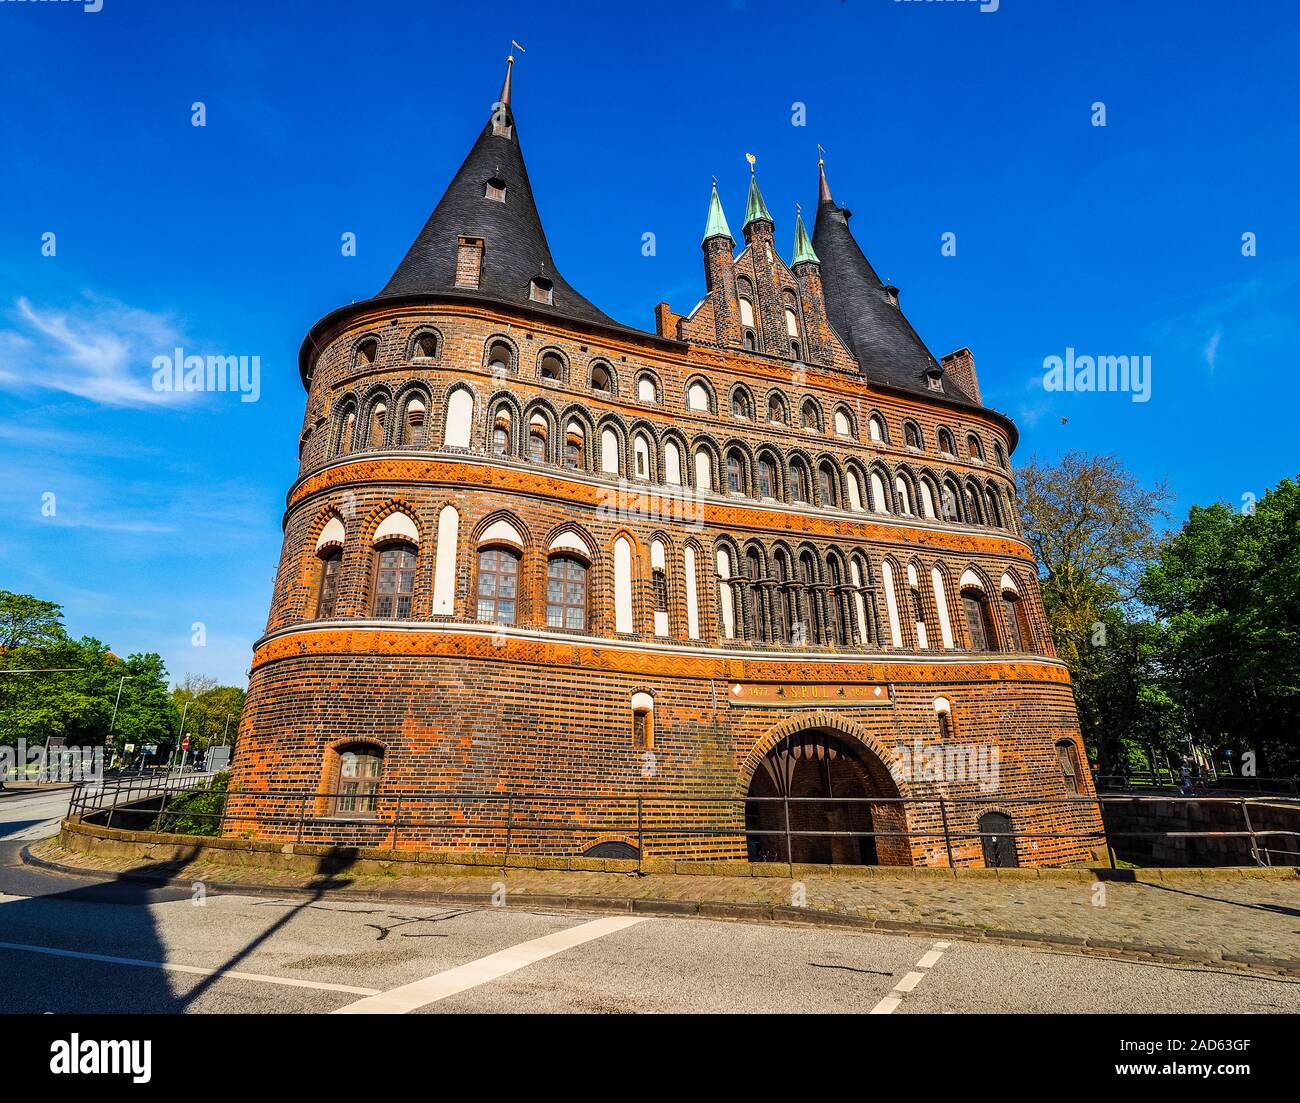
[[1208, 917]]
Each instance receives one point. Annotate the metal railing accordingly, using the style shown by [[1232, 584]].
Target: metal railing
[[119, 793], [499, 821], [1166, 781]]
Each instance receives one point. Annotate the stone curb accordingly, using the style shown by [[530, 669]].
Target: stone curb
[[725, 910]]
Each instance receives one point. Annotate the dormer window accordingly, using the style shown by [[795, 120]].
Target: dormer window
[[540, 290], [495, 189], [934, 379]]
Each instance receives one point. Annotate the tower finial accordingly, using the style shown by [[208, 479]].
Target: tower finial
[[510, 63], [752, 162], [823, 188]]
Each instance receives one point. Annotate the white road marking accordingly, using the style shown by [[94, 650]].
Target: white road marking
[[909, 982], [171, 967], [450, 982], [891, 1003]]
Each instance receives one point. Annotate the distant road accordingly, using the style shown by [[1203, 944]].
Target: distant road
[[32, 815]]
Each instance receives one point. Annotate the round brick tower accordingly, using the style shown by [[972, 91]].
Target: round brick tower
[[750, 585]]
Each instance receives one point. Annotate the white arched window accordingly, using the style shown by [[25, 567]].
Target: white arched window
[[396, 526], [927, 499], [791, 323], [640, 457], [703, 470], [855, 491], [697, 397], [859, 602], [917, 608], [659, 587], [692, 594], [904, 498], [941, 603], [646, 390], [609, 452], [746, 314], [623, 621], [876, 428], [891, 604], [672, 463], [444, 564], [460, 418], [842, 424], [725, 596], [879, 499]]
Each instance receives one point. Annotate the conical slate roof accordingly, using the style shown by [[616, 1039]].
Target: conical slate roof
[[514, 244], [887, 348]]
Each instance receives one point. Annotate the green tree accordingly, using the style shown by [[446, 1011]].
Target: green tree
[[1227, 590]]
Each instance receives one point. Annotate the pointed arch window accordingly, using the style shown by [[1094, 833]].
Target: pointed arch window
[[876, 429], [498, 585], [575, 447], [974, 447], [735, 472], [537, 441], [394, 581], [912, 435], [828, 485], [766, 477], [809, 417], [566, 593], [327, 590], [776, 410], [798, 482], [413, 423], [1068, 757], [979, 620], [1019, 631], [946, 443]]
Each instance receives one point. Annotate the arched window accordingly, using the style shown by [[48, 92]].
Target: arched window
[[641, 456], [798, 481], [943, 714], [840, 627], [413, 422], [999, 454], [537, 439], [444, 562], [643, 736], [902, 496], [949, 499], [646, 389], [777, 412], [974, 514], [610, 452], [1068, 757], [750, 340], [601, 379], [746, 313], [1019, 631], [703, 470], [501, 432], [501, 359], [376, 431], [946, 444], [912, 435], [672, 463], [828, 484], [367, 352], [766, 477], [659, 587], [460, 418], [498, 585], [974, 447], [575, 447], [566, 593], [876, 429], [741, 405], [726, 595], [698, 398], [879, 495], [810, 416], [551, 367], [843, 423], [345, 426], [327, 589], [692, 592], [917, 608], [807, 620], [736, 472], [993, 507], [394, 581], [753, 568], [979, 620], [424, 346], [355, 773]]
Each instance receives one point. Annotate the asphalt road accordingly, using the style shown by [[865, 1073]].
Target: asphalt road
[[70, 944], [32, 815]]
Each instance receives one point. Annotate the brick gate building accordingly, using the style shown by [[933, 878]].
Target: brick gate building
[[608, 590]]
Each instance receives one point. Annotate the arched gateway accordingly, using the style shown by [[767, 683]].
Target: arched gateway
[[817, 770]]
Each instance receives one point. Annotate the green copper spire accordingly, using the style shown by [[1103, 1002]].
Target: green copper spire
[[755, 208], [803, 249], [717, 224]]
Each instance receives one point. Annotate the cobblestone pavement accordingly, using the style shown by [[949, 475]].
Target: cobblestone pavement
[[1208, 916]]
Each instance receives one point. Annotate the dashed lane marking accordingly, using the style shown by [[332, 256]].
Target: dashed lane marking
[[929, 959]]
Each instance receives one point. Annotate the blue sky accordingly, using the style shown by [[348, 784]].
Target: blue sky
[[328, 117]]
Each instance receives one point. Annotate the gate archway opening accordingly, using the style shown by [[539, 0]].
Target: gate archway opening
[[813, 767]]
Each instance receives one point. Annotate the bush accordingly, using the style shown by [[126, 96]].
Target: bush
[[197, 812]]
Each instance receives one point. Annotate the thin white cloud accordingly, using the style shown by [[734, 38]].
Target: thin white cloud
[[97, 350], [1212, 349]]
